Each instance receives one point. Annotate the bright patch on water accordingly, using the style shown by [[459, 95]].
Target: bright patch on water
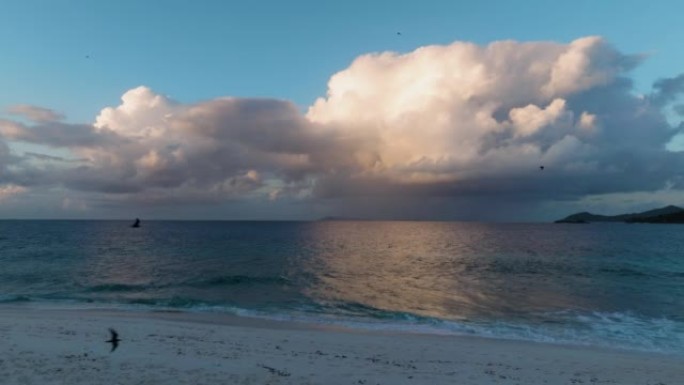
[[609, 285]]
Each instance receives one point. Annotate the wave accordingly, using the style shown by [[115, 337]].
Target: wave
[[14, 298], [230, 280], [173, 302], [627, 331], [624, 272], [629, 272], [556, 269], [612, 330], [117, 287]]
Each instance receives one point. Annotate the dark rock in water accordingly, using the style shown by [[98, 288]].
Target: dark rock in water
[[136, 223], [669, 214]]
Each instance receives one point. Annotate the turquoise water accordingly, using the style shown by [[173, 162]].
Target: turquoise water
[[613, 285]]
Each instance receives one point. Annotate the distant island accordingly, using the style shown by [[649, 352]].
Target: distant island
[[340, 219], [667, 214]]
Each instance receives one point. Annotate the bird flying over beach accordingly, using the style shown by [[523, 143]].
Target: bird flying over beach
[[114, 340]]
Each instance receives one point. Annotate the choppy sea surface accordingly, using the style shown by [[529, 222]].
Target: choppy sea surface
[[614, 285]]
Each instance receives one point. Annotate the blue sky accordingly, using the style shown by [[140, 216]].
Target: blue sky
[[285, 49], [423, 133]]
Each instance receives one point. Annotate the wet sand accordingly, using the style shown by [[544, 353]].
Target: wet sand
[[58, 346]]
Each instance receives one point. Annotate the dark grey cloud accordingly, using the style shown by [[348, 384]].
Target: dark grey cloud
[[50, 158], [168, 152], [35, 113], [5, 158], [59, 135], [667, 90], [679, 109], [436, 132]]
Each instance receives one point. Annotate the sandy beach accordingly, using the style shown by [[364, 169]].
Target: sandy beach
[[57, 346]]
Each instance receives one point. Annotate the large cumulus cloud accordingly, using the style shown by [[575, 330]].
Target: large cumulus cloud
[[468, 119], [460, 121]]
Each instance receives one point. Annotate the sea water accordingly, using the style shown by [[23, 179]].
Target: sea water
[[616, 285]]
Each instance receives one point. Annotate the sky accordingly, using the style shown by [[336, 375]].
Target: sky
[[430, 110]]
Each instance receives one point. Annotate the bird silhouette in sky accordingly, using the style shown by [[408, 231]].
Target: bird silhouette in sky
[[541, 168], [114, 340]]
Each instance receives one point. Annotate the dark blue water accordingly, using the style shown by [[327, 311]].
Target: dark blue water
[[604, 284]]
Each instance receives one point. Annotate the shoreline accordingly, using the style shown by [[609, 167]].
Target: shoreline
[[67, 346], [253, 318]]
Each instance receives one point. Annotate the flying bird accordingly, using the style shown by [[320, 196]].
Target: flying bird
[[541, 168], [114, 340], [398, 33]]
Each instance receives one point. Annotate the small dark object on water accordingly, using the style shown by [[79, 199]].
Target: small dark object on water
[[541, 168], [136, 223], [114, 340]]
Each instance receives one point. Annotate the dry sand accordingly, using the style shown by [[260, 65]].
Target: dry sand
[[44, 346]]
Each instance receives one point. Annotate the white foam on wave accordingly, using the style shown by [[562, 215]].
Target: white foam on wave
[[625, 331], [610, 330]]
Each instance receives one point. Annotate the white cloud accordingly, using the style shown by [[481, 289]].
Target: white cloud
[[530, 119], [141, 115], [219, 149], [585, 63], [462, 111], [452, 121]]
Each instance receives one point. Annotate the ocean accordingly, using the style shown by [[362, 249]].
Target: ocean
[[613, 285]]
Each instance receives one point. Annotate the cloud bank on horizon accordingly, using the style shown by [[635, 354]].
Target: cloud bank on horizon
[[457, 123]]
